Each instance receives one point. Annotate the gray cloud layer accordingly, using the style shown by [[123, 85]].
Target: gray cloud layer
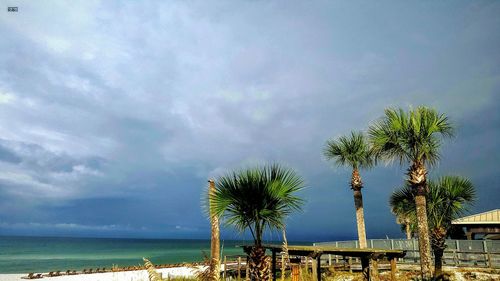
[[116, 113]]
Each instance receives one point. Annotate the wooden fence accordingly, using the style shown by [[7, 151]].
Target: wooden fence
[[478, 253]]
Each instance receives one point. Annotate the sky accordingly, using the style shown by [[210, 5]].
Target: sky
[[114, 114]]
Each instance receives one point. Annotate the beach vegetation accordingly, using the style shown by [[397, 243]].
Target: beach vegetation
[[413, 137], [255, 200]]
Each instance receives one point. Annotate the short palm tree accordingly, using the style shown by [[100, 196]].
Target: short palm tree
[[447, 199], [400, 209], [413, 137], [352, 151], [255, 199]]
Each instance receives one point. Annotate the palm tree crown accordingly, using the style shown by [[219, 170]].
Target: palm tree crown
[[411, 136], [350, 150], [448, 198], [257, 198], [402, 206], [402, 202]]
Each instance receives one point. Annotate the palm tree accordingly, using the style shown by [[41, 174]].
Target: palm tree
[[447, 199], [256, 199], [407, 221], [413, 137], [352, 151]]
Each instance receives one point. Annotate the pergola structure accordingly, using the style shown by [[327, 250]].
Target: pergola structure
[[487, 223], [369, 257]]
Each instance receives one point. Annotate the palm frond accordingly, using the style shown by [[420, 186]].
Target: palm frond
[[257, 198], [352, 150], [448, 198], [410, 136]]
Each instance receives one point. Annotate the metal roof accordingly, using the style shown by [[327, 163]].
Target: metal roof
[[490, 217]]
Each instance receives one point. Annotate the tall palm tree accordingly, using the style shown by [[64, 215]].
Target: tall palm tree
[[415, 137], [255, 199], [447, 199], [352, 151]]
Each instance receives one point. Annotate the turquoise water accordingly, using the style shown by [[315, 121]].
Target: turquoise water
[[43, 254]]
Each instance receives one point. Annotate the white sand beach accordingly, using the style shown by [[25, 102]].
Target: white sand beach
[[137, 275]]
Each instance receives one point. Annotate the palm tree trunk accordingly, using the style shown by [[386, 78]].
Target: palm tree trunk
[[360, 218], [215, 241], [284, 258], [417, 178], [260, 264], [423, 236], [356, 186], [438, 243], [408, 229]]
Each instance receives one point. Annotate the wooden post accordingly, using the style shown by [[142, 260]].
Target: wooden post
[[330, 260], [225, 267], [349, 261], [314, 270], [273, 266], [215, 238], [247, 270], [336, 256], [295, 272], [393, 269], [307, 266], [486, 255], [295, 267], [318, 267], [374, 269], [283, 267], [365, 268], [239, 268], [455, 257]]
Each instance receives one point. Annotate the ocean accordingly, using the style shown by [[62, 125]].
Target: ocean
[[44, 254]]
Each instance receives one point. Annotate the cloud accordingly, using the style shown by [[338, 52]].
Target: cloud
[[125, 109]]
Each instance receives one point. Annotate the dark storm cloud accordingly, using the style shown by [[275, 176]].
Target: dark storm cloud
[[113, 115]]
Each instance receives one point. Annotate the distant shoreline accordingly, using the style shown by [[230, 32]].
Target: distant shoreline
[[44, 254]]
